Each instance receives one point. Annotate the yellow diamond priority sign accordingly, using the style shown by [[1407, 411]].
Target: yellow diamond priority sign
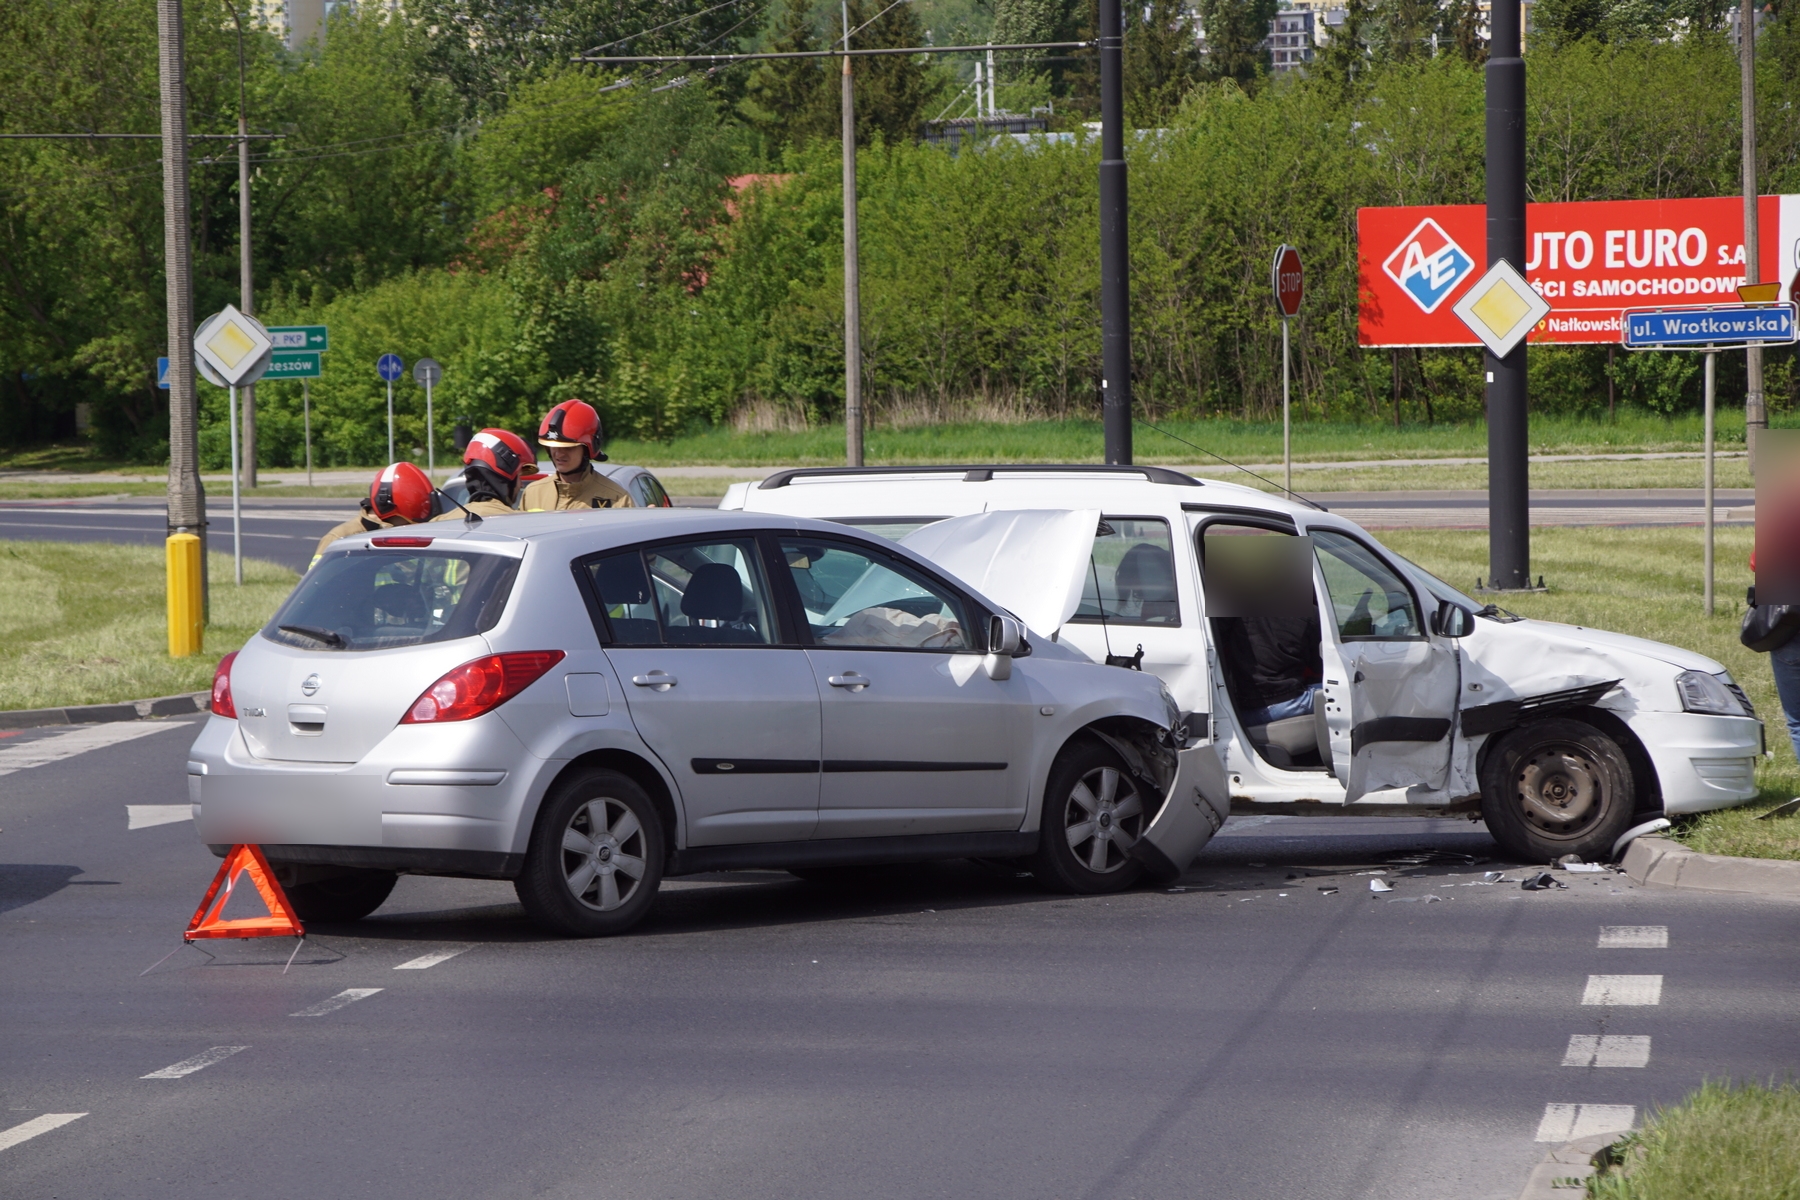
[[1501, 308], [234, 346]]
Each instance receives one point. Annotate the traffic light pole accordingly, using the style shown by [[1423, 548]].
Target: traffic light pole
[[1509, 483], [1115, 265]]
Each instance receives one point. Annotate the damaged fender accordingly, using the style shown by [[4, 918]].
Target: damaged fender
[[1197, 803]]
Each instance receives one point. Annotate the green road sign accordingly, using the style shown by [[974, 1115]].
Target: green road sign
[[293, 364], [299, 337]]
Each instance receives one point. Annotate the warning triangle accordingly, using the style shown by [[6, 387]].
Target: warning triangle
[[242, 860]]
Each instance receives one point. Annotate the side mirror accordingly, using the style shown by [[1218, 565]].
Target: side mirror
[[1006, 635], [1452, 620]]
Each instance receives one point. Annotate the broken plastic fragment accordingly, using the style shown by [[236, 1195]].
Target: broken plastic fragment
[[1584, 868], [1541, 882], [1378, 885], [1329, 891]]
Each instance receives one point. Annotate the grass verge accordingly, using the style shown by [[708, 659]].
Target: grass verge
[[85, 623], [1723, 1142]]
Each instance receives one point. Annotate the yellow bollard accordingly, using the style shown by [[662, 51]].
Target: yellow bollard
[[187, 629]]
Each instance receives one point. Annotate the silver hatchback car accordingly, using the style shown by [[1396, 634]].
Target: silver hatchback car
[[587, 703]]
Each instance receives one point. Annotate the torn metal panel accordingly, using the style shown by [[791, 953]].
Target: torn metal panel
[[1195, 807]]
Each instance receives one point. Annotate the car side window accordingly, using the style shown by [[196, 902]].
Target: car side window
[[859, 597], [1369, 600], [1131, 580], [691, 594], [653, 494]]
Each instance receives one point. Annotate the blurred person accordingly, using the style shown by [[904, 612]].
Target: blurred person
[[571, 433]]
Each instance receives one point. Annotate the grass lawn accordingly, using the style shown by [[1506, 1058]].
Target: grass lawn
[[86, 624], [1721, 1143]]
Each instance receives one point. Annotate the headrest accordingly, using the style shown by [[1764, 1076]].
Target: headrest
[[714, 593]]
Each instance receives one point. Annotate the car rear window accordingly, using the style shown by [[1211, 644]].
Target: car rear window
[[378, 599]]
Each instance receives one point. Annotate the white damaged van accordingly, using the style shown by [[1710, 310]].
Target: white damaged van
[[1415, 700]]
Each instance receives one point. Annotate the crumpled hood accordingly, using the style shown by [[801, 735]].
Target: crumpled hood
[[1584, 636], [1031, 562], [1532, 658]]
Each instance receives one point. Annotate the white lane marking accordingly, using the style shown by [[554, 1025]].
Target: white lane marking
[[1566, 1122], [1634, 937], [77, 741], [199, 1062], [143, 816], [1623, 990], [1607, 1050], [347, 996], [432, 959], [30, 1129]]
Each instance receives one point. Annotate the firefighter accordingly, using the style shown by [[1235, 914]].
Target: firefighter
[[493, 465], [399, 495], [571, 433]]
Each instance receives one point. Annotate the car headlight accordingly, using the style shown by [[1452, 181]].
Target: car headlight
[[1703, 693]]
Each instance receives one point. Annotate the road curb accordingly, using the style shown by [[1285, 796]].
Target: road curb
[[92, 714], [1566, 1168], [1656, 860]]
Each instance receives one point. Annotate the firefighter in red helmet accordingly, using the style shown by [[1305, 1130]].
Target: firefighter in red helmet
[[400, 495], [571, 433], [493, 465]]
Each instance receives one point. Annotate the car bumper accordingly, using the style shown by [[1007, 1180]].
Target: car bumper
[[1702, 762]]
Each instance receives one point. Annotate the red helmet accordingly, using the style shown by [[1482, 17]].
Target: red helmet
[[401, 490], [502, 452], [572, 423]]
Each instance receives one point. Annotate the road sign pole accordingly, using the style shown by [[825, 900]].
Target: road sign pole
[[306, 418], [1287, 424], [1509, 484], [430, 446], [853, 406], [1756, 412], [237, 506], [390, 385], [1115, 262], [1711, 360]]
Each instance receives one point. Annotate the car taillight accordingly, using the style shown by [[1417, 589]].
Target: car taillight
[[222, 705], [400, 541], [480, 686]]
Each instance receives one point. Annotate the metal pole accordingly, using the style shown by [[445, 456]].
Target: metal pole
[[1509, 496], [237, 507], [1115, 265], [1287, 425], [186, 494], [992, 79], [853, 410], [430, 448], [306, 417], [1711, 358], [246, 286], [390, 387], [1756, 413]]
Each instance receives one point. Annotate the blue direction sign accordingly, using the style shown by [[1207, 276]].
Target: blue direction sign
[[300, 337], [389, 367], [293, 364], [162, 374], [1708, 327]]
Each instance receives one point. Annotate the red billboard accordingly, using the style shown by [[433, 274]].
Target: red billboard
[[1589, 260]]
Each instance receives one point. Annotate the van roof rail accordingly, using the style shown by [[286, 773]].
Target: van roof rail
[[982, 474]]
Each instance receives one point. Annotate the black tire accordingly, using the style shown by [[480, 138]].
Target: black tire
[[1557, 787], [350, 896], [581, 882], [1094, 812]]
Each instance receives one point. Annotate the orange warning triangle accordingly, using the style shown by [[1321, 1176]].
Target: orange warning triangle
[[281, 921]]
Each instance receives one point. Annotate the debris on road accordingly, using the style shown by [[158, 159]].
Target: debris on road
[[1329, 891], [1789, 809], [1379, 885], [1542, 882]]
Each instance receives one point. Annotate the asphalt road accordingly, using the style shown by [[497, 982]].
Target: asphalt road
[[944, 1031]]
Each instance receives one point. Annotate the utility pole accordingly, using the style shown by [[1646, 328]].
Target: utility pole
[[1115, 263], [246, 289], [853, 410], [186, 495], [1509, 481], [1756, 413]]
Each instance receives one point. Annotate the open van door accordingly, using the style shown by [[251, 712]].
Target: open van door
[[1391, 683]]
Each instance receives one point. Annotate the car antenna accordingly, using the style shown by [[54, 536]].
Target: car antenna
[[1239, 466], [470, 519], [1133, 661]]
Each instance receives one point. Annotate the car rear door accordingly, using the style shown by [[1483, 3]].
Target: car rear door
[[714, 689]]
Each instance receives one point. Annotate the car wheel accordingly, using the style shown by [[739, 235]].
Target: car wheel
[[350, 896], [595, 858], [1094, 812], [1557, 787]]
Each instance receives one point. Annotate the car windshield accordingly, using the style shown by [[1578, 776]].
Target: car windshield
[[378, 599], [1438, 587]]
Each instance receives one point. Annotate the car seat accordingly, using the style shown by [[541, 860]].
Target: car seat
[[715, 593], [1146, 574]]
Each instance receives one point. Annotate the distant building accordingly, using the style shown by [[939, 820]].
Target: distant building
[[1291, 40]]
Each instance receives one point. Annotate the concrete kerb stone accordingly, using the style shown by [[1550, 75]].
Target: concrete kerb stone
[[1657, 860], [179, 705], [1566, 1168]]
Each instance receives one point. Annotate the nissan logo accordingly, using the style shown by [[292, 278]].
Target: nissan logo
[[311, 685]]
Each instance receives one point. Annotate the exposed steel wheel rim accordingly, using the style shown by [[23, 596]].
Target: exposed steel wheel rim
[[1561, 789], [1102, 819], [603, 854]]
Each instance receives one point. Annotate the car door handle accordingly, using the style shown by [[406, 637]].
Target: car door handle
[[852, 680], [655, 679]]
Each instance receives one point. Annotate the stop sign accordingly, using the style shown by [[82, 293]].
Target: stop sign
[[1285, 277]]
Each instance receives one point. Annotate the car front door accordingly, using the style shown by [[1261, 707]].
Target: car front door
[[1391, 693], [917, 738], [731, 710]]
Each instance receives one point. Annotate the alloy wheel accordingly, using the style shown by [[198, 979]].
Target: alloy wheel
[[603, 854], [1103, 819]]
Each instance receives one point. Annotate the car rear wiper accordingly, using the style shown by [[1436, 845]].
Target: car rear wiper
[[329, 636]]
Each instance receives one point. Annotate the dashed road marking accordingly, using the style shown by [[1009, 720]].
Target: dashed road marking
[[432, 959], [44, 751], [1566, 1122], [1623, 990], [347, 996], [1634, 937], [143, 816], [30, 1129], [199, 1062], [1607, 1050]]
